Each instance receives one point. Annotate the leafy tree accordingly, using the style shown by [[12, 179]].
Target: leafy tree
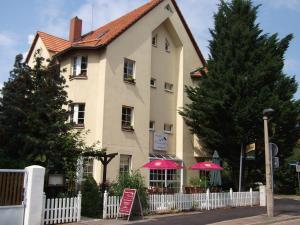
[[34, 126], [244, 77]]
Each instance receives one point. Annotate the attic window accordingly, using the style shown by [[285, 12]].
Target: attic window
[[102, 34], [168, 7]]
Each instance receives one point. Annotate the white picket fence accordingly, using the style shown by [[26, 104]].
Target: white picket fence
[[179, 202], [61, 210]]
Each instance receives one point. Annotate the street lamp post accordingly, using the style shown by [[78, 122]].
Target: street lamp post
[[269, 180]]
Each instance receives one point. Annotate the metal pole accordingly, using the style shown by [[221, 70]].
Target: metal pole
[[299, 180], [269, 185], [241, 169]]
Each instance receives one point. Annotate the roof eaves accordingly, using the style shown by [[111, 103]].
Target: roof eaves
[[74, 47]]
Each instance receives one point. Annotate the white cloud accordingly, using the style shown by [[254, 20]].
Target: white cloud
[[52, 17], [30, 38], [6, 40], [290, 4], [8, 50], [291, 65], [199, 16]]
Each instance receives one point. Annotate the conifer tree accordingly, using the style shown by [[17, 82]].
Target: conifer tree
[[245, 75]]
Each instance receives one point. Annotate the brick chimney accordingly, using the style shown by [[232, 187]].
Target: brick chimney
[[75, 29]]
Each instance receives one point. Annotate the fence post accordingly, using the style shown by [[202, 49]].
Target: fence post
[[79, 206], [251, 197], [207, 199], [43, 209], [34, 195], [231, 197], [105, 205], [262, 195]]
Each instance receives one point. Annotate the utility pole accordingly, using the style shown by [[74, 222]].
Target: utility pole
[[269, 179], [241, 169]]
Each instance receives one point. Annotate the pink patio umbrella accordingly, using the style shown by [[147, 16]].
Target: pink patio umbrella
[[161, 164], [206, 166]]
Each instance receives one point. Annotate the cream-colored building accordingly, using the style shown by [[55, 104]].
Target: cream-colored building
[[126, 80]]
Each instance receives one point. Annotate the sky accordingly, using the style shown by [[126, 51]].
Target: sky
[[19, 21]]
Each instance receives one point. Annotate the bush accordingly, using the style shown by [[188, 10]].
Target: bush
[[134, 181], [197, 182], [91, 201]]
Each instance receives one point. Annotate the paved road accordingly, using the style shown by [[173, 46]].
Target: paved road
[[285, 209]]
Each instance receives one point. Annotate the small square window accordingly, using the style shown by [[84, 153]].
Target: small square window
[[88, 165], [127, 118], [167, 45], [77, 114], [153, 82], [152, 125], [168, 128], [80, 64], [125, 164], [154, 41], [129, 70], [168, 87]]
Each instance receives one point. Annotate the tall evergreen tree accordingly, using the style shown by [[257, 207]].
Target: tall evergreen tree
[[244, 77], [34, 126]]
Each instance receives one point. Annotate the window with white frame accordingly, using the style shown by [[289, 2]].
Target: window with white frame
[[167, 45], [80, 66], [127, 117], [77, 113], [125, 164], [158, 178], [168, 87], [154, 40], [153, 82], [168, 128], [129, 70], [88, 165], [152, 125]]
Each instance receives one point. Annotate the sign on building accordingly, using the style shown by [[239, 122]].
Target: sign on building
[[160, 141]]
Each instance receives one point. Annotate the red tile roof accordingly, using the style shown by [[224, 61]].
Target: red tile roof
[[53, 43], [107, 33]]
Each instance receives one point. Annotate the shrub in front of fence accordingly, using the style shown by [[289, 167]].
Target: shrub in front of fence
[[131, 180], [91, 200]]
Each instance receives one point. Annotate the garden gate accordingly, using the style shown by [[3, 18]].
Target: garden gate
[[12, 192]]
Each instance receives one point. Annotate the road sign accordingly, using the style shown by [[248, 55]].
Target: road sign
[[276, 162], [274, 149]]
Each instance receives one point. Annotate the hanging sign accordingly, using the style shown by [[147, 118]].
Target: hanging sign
[[160, 141], [130, 200]]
